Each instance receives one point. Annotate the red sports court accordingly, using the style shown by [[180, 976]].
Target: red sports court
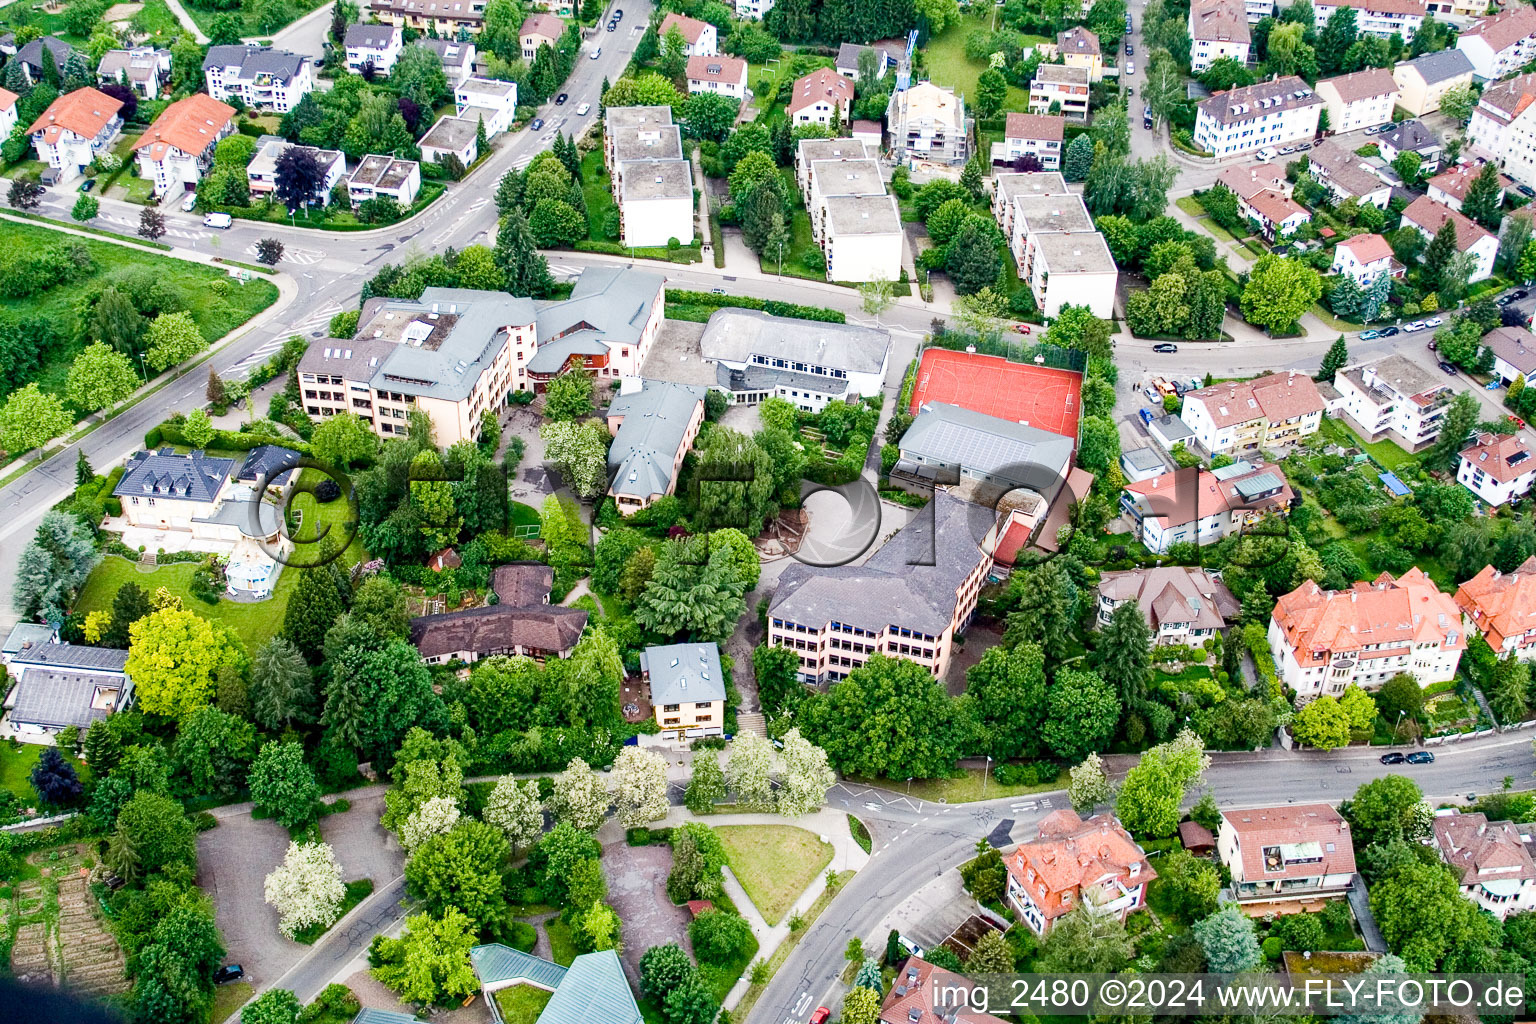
[[1040, 396]]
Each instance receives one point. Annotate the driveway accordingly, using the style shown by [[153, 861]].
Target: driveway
[[637, 891], [233, 862], [364, 848]]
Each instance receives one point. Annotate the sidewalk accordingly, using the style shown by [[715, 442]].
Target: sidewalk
[[187, 22]]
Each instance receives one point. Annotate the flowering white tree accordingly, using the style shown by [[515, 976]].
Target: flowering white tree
[[749, 770], [1090, 784], [807, 776], [432, 818], [580, 796], [306, 888], [642, 782], [515, 808]]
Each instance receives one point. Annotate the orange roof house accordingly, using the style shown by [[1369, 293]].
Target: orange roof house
[[190, 125], [1492, 860], [1502, 606], [1324, 640], [812, 98], [1298, 851], [1075, 861], [85, 112], [925, 994]]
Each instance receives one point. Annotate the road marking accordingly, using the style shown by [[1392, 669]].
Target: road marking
[[803, 1003]]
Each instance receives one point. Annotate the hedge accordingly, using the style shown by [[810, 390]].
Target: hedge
[[772, 307], [170, 432]]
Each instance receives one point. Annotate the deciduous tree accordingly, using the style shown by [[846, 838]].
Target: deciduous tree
[[748, 771], [580, 798], [1228, 940], [1279, 291], [174, 657], [807, 776], [641, 777], [306, 888], [461, 869], [707, 785], [580, 452], [515, 808], [1090, 783], [172, 338], [429, 963], [283, 784], [30, 418]]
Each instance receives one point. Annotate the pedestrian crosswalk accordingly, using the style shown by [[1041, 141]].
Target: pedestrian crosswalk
[[294, 254], [318, 320]]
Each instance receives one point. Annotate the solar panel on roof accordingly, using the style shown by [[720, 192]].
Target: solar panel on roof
[[1237, 468]]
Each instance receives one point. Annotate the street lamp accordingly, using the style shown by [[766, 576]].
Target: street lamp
[[984, 770], [909, 785], [1399, 724]]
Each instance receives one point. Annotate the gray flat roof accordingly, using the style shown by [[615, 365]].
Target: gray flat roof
[[632, 117], [487, 87], [656, 418], [811, 150], [1016, 452], [863, 215], [24, 635], [449, 361], [449, 133], [684, 672], [658, 179], [382, 171], [78, 656], [656, 142], [736, 335], [1080, 252], [1053, 213], [847, 177], [61, 697]]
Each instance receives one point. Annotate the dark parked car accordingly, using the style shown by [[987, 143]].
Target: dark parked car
[[1387, 332], [612, 25], [228, 973], [1421, 757], [1392, 758], [1166, 348], [1130, 51], [1526, 191], [561, 98], [618, 14], [87, 184], [536, 124], [1447, 367], [1520, 293]]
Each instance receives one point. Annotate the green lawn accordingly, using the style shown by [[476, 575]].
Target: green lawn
[[218, 304], [561, 945], [255, 624], [296, 9], [948, 65], [16, 764], [597, 193], [966, 788], [154, 20], [229, 998], [356, 892], [1385, 452], [329, 219], [779, 72], [774, 863], [309, 520], [521, 1004]]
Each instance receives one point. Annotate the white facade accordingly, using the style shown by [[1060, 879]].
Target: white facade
[[1347, 261], [1498, 468], [1383, 18], [381, 51], [1061, 89], [1396, 397], [652, 222], [8, 113], [1270, 114], [1367, 665], [1361, 100], [1217, 29], [863, 238], [701, 36], [482, 97], [76, 129], [384, 177], [754, 9], [1504, 126], [1502, 43], [1428, 216], [255, 86], [451, 136], [725, 76]]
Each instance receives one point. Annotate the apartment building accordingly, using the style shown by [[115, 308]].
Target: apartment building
[[1498, 468], [1514, 353], [1182, 604], [1199, 506], [261, 172], [1393, 397], [1347, 175], [1361, 99], [1502, 43], [483, 99], [820, 97], [654, 424], [701, 37], [261, 77], [1072, 862], [908, 600], [1364, 258], [1061, 254], [1449, 187], [1326, 640], [1033, 184], [384, 177], [1217, 29], [1381, 18], [1502, 606], [1037, 137], [1269, 114], [754, 356], [835, 178], [451, 137], [862, 238], [1458, 8], [753, 9], [1241, 417], [726, 76], [443, 19], [652, 181], [1292, 852], [143, 69], [177, 149], [1429, 217], [1060, 89], [1411, 137], [1422, 81], [809, 151], [1492, 860], [1504, 126], [74, 130], [687, 688], [376, 46], [1079, 48], [928, 122]]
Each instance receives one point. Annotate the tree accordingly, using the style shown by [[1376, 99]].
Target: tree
[[1400, 697], [1086, 942], [317, 602], [1082, 712], [580, 451], [158, 830], [1458, 103], [1228, 940], [707, 785], [212, 751], [971, 258], [641, 777], [343, 441], [1044, 614], [867, 722], [433, 817], [710, 116], [1439, 253], [269, 251], [1358, 708], [283, 785], [55, 779], [461, 869], [1191, 884], [807, 776], [1279, 291], [306, 888], [939, 14], [991, 92], [198, 428], [1336, 358], [1124, 652], [1078, 158], [515, 808], [419, 75], [1459, 420], [518, 256], [25, 194], [748, 770], [151, 224], [664, 968], [861, 1006], [86, 207], [429, 963], [279, 691], [1322, 724], [172, 338], [720, 937], [274, 1006], [1007, 690], [1090, 783], [1387, 809], [1483, 197], [53, 567], [569, 396], [299, 180], [1149, 798], [1424, 917], [30, 418], [174, 657], [1163, 90], [580, 798], [876, 296], [692, 1002], [992, 955]]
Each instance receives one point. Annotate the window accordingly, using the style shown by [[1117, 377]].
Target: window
[[671, 707]]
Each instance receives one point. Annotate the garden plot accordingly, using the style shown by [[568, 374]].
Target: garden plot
[[91, 959], [61, 938]]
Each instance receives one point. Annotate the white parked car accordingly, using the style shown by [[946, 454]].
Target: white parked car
[[1264, 155], [1130, 67], [1433, 321], [1417, 325], [581, 111]]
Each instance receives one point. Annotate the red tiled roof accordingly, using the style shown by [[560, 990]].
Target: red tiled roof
[[1072, 854], [691, 28], [1276, 207], [1390, 616], [1274, 396], [1251, 179], [1502, 604], [1291, 825], [1035, 126], [1502, 456], [7, 99], [191, 124], [541, 24], [1505, 29], [822, 85], [1377, 6], [84, 112], [1368, 248], [1473, 845], [914, 988], [717, 69], [1362, 85], [1458, 179], [1431, 216], [1169, 501]]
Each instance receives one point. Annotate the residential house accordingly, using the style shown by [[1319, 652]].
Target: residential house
[[1364, 258], [166, 491], [687, 688], [261, 172], [1241, 417], [654, 424], [1393, 397], [1060, 89], [482, 99], [445, 19], [1429, 216], [1079, 48], [928, 122], [1449, 187], [1061, 255], [58, 685], [1460, 9], [458, 58], [592, 990], [924, 994], [1269, 114], [30, 57], [74, 130], [1498, 468], [261, 77], [384, 177], [1169, 431], [1411, 137], [1502, 606], [1380, 18], [177, 149], [1142, 464], [829, 178], [1503, 126], [862, 237], [820, 97], [1492, 858], [451, 137], [724, 75], [978, 451], [8, 113], [1182, 604], [1514, 353], [1037, 137], [1325, 640], [143, 69], [539, 632], [1200, 506], [754, 10], [376, 46], [809, 151], [1093, 863], [1217, 28], [1294, 852], [1361, 99], [1006, 187], [1501, 43], [701, 37], [1347, 175], [1276, 215], [1422, 81], [1245, 180], [756, 356], [656, 203], [908, 599], [848, 60], [540, 30]]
